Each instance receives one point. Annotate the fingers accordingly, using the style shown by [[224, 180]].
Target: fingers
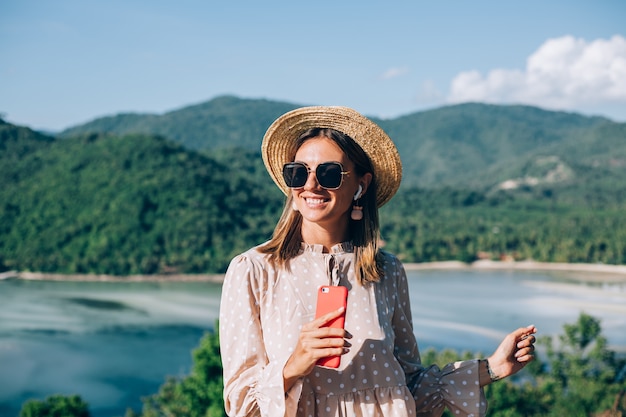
[[326, 348], [526, 341], [325, 333], [524, 336], [525, 345], [317, 326], [525, 354], [322, 320], [524, 332], [328, 343], [317, 341], [310, 349]]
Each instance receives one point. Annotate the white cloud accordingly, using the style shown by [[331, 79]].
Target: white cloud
[[394, 73], [564, 73]]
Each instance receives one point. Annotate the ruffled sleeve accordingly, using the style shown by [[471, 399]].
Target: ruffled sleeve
[[456, 386], [253, 385]]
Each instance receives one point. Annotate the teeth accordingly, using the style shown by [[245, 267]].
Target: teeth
[[314, 200]]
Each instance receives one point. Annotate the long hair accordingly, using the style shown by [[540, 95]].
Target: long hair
[[286, 242]]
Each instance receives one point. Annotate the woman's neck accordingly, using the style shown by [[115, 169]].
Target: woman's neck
[[315, 234]]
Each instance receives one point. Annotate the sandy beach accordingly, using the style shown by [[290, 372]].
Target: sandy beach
[[587, 272]]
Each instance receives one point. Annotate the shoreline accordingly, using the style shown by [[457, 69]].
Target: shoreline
[[45, 276], [614, 273]]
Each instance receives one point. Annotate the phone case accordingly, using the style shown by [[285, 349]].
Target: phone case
[[330, 298]]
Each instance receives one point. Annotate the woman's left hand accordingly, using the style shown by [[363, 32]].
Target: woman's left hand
[[515, 351]]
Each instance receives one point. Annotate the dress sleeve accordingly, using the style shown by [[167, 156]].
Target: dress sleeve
[[253, 386], [456, 386]]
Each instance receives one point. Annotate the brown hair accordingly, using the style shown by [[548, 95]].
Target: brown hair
[[286, 241]]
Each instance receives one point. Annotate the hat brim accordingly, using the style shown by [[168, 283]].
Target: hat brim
[[281, 135]]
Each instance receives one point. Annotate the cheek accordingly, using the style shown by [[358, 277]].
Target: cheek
[[345, 201]]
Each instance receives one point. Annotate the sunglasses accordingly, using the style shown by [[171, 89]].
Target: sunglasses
[[329, 174]]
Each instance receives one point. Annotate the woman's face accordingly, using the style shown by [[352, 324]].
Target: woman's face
[[319, 206]]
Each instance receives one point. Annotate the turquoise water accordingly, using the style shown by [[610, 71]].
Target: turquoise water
[[474, 310], [113, 343]]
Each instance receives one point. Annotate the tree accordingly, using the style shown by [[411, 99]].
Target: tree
[[584, 373], [197, 395], [56, 406]]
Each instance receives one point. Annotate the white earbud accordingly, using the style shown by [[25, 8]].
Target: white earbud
[[358, 193]]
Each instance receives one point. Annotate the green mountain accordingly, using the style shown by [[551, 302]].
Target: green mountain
[[467, 144], [508, 181], [126, 204], [223, 122], [477, 145]]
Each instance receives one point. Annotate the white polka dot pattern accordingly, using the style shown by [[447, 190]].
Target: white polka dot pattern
[[262, 312]]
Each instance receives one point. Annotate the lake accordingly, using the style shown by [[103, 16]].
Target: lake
[[113, 343]]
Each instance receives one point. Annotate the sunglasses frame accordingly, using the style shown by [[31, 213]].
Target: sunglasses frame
[[309, 170]]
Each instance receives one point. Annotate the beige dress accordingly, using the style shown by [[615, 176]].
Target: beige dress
[[263, 309]]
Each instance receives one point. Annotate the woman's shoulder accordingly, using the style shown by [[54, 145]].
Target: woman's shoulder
[[250, 268], [392, 267], [389, 259], [253, 256]]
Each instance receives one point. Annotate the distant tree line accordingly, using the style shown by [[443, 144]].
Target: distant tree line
[[424, 226]]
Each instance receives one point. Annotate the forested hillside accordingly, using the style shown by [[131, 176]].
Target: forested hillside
[[137, 203], [481, 145], [130, 204], [477, 145]]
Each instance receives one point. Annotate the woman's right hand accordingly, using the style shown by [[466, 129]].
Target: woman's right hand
[[315, 342]]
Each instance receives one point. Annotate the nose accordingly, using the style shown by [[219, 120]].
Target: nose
[[311, 181]]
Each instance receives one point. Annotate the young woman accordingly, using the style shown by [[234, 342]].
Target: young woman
[[337, 168]]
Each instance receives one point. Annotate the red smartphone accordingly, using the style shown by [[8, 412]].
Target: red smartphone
[[331, 298]]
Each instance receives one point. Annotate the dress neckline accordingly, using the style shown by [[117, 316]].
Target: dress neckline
[[343, 247]]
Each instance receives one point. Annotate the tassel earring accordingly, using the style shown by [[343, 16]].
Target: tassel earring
[[357, 210]]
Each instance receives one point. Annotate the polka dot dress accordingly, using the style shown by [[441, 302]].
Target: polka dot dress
[[261, 314]]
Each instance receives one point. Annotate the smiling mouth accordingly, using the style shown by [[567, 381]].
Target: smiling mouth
[[315, 201]]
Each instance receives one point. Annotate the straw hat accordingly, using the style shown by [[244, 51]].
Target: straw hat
[[279, 138]]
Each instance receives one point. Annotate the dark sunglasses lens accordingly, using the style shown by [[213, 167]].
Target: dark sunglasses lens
[[329, 174], [295, 175]]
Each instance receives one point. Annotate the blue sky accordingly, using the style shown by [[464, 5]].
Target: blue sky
[[66, 62]]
